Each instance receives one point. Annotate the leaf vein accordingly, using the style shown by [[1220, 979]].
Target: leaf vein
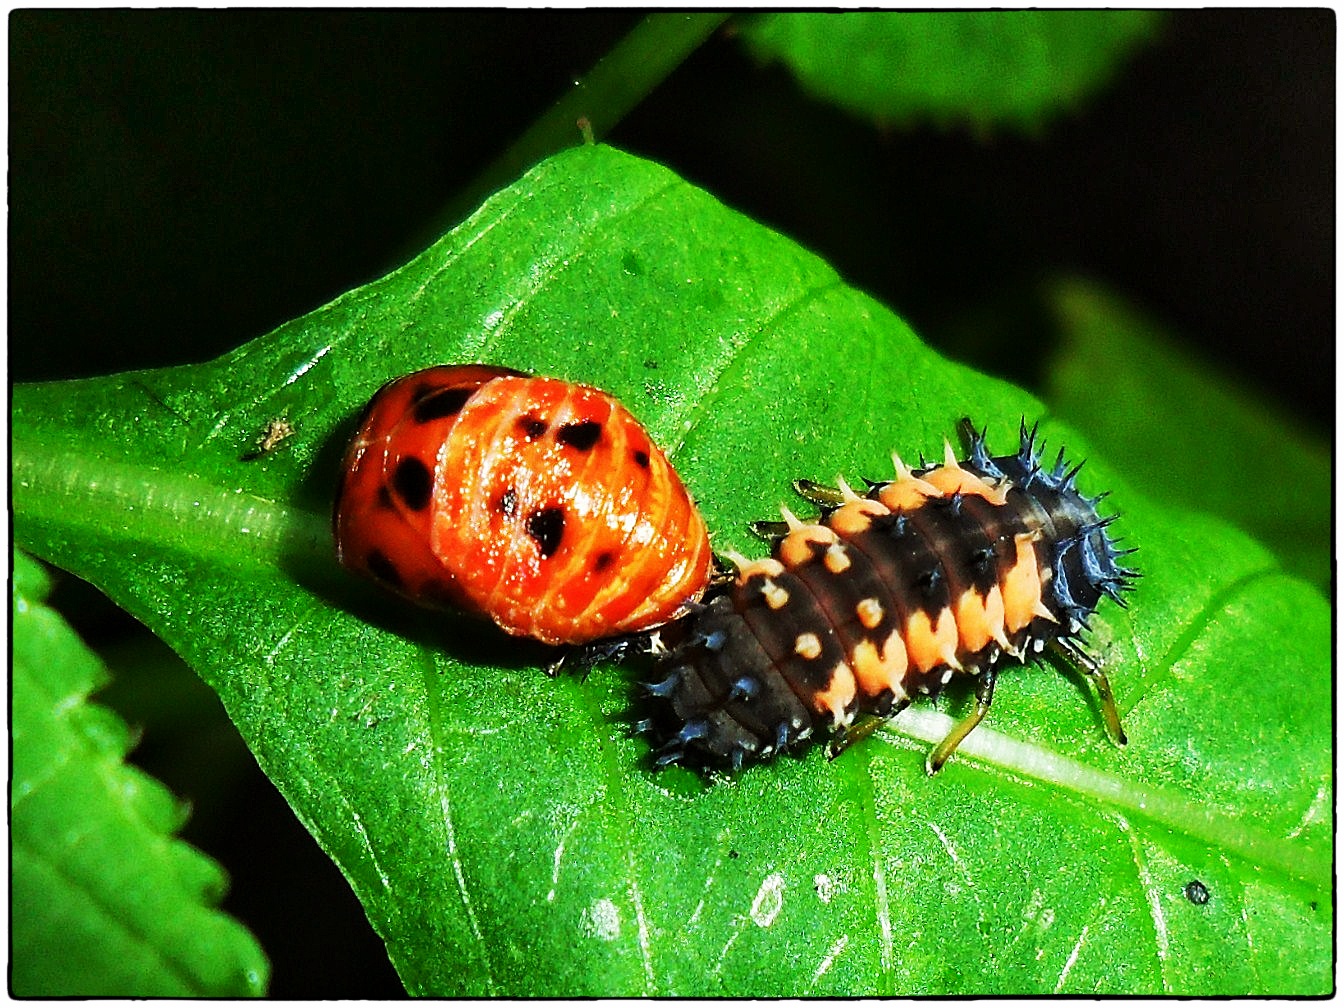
[[700, 408], [616, 789], [881, 906], [439, 776], [1152, 896]]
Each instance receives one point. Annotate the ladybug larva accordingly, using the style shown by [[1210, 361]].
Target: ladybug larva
[[538, 503], [956, 569]]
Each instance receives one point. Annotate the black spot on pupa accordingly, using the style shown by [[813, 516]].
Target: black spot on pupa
[[413, 483], [507, 504], [547, 528], [435, 404], [603, 560], [532, 427], [382, 568], [581, 436], [641, 458]]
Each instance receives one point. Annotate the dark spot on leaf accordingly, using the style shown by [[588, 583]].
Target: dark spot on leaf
[[1196, 892]]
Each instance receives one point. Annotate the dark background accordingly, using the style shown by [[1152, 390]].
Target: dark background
[[183, 181]]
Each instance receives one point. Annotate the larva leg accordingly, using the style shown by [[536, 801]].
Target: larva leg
[[769, 530], [861, 729], [1084, 662], [581, 658], [723, 573], [984, 695], [821, 496]]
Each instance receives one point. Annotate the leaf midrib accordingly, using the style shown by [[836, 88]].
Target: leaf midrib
[[1171, 809], [173, 510]]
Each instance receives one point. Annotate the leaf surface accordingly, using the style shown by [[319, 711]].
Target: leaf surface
[[106, 901], [982, 68], [505, 832]]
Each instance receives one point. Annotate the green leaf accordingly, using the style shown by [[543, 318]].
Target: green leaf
[[1189, 433], [505, 832], [985, 68], [106, 902]]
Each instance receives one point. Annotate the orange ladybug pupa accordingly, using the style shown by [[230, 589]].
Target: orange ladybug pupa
[[538, 503]]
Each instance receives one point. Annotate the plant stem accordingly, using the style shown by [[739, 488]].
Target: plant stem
[[619, 81]]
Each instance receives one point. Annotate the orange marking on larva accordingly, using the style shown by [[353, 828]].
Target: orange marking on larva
[[870, 613], [876, 671], [796, 548], [836, 559], [766, 567], [807, 646], [907, 494], [968, 484], [1022, 584], [974, 621], [838, 696], [775, 596], [855, 517], [929, 645]]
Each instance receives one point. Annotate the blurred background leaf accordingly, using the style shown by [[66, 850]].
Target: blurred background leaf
[[105, 901], [983, 69]]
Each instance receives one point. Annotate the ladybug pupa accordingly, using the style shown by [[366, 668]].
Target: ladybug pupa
[[538, 503], [958, 569]]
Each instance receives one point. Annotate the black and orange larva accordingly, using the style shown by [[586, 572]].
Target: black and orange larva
[[947, 570]]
